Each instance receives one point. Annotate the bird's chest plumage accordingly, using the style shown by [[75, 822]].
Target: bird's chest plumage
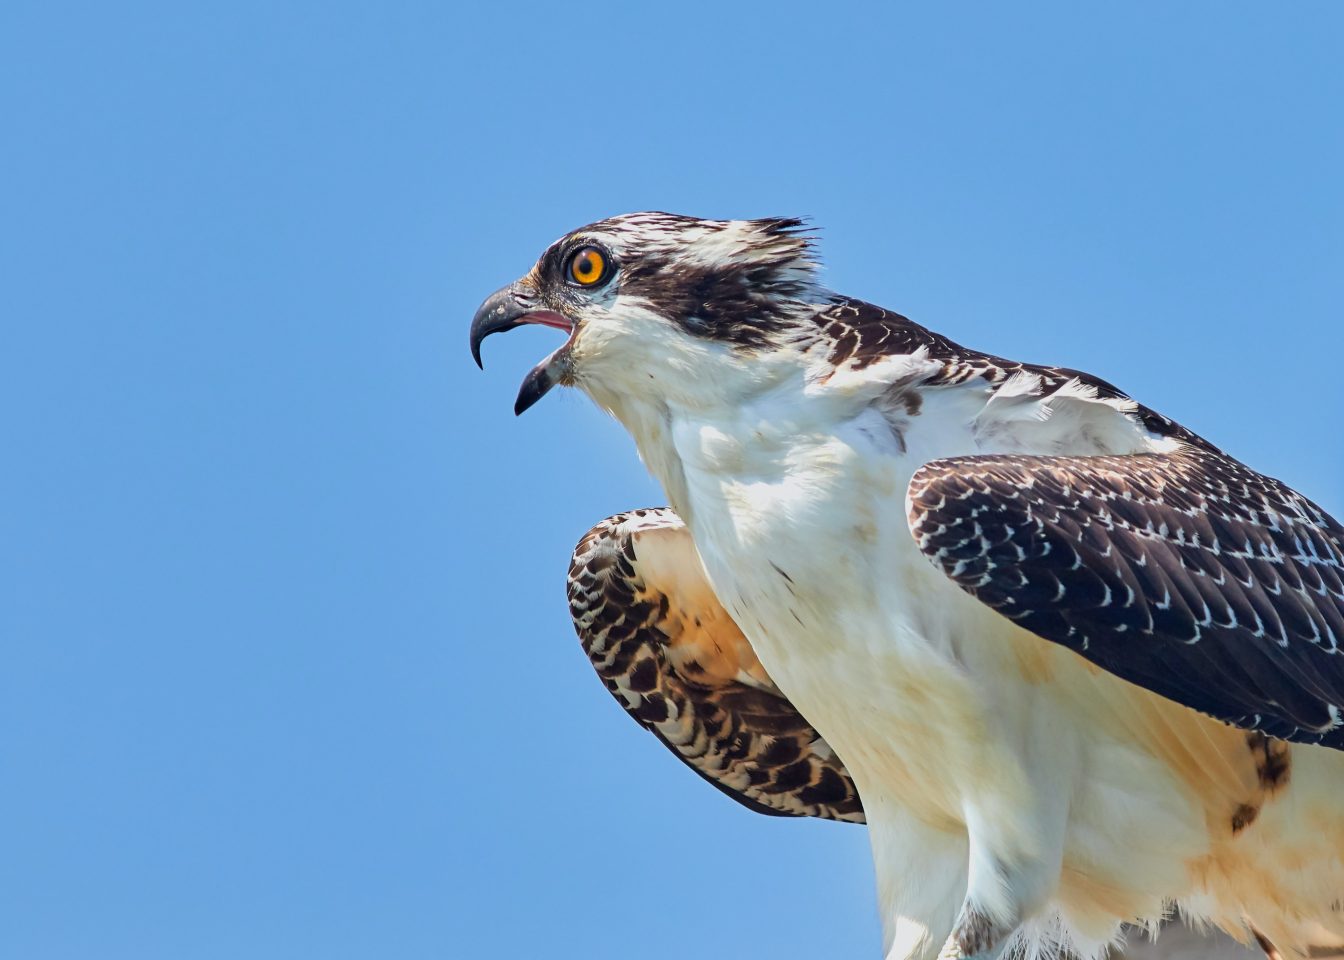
[[804, 537], [941, 709]]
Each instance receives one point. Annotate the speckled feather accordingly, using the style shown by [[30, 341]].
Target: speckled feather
[[1188, 574], [861, 334], [745, 738]]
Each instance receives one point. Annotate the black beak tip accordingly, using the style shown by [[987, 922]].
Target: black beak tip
[[499, 313], [535, 386], [503, 311]]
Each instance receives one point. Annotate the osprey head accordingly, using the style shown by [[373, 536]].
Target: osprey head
[[659, 302]]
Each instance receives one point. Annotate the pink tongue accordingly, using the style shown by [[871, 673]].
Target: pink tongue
[[547, 318]]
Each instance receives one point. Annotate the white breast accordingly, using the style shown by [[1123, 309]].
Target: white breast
[[974, 744], [803, 533]]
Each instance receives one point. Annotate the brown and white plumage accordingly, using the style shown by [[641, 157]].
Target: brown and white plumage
[[1186, 573], [673, 658], [1082, 666]]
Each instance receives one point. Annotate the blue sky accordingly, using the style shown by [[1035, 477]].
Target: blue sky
[[285, 667]]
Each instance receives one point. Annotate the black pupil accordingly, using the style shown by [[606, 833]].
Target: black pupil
[[587, 266]]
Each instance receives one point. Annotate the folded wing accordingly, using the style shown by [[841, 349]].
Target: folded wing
[[675, 660], [1188, 574]]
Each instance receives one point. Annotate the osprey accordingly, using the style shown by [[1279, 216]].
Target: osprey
[[1080, 666]]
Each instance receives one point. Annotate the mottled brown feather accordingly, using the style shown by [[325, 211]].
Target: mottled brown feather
[[677, 662], [1186, 573]]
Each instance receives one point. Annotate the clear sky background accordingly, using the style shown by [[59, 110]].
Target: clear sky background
[[285, 665]]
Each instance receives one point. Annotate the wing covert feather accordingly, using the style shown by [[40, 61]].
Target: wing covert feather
[[1188, 574]]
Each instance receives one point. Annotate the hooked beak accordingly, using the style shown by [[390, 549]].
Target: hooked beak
[[512, 307]]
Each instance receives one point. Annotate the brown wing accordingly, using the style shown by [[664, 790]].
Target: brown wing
[[1188, 574], [679, 665]]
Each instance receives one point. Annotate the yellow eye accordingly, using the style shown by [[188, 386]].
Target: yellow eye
[[587, 266]]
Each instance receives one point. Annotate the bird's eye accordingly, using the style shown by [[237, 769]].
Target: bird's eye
[[588, 266]]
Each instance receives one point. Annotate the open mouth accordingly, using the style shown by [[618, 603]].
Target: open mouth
[[509, 308]]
